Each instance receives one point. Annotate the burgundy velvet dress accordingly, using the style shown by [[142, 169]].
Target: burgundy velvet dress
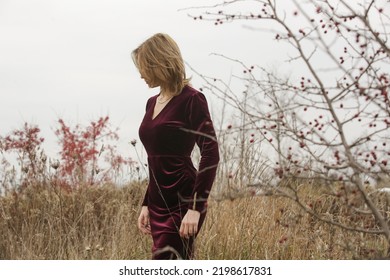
[[174, 184]]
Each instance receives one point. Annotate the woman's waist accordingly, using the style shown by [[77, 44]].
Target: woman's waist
[[169, 156]]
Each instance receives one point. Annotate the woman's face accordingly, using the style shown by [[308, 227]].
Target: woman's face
[[147, 79]]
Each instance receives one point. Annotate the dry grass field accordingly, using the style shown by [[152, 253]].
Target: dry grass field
[[304, 168], [100, 223]]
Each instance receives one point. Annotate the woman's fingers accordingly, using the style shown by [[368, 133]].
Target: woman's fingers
[[146, 225], [183, 230], [192, 229], [145, 229], [144, 222], [187, 231]]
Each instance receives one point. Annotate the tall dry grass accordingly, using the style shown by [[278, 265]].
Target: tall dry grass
[[100, 223], [90, 223]]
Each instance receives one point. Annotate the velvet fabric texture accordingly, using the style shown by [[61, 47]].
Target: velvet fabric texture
[[175, 185]]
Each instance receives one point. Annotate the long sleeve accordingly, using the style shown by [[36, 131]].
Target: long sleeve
[[202, 127]]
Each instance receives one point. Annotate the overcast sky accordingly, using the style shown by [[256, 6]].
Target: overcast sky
[[71, 59]]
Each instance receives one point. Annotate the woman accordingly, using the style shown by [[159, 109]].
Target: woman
[[174, 206]]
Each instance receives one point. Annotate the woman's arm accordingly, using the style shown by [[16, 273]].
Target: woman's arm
[[202, 127]]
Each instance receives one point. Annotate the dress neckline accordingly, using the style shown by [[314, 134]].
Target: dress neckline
[[154, 105]]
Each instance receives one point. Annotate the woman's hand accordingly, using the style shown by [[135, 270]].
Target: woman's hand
[[143, 220], [189, 224]]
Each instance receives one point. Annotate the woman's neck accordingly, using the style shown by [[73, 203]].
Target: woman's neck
[[165, 93]]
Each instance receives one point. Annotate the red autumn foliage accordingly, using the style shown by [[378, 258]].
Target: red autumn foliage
[[81, 148], [88, 156]]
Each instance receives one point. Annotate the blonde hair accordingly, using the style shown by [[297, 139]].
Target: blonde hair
[[159, 58]]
